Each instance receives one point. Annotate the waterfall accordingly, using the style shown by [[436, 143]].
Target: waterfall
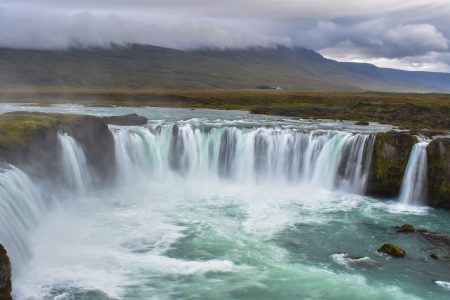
[[21, 208], [74, 168], [414, 185], [331, 159]]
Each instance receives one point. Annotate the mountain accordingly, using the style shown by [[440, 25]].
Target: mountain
[[139, 66]]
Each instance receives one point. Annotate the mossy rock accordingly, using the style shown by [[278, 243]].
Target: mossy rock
[[392, 250], [389, 160], [438, 156], [362, 123], [405, 228]]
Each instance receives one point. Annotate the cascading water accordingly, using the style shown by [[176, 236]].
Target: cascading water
[[329, 159], [21, 208], [22, 203], [75, 171], [414, 185]]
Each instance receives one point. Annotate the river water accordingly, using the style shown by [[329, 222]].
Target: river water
[[219, 205]]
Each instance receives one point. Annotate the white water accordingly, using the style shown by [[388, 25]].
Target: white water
[[23, 204], [73, 162], [414, 185], [21, 208], [327, 159]]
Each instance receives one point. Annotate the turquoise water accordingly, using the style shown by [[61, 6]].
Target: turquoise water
[[195, 235]]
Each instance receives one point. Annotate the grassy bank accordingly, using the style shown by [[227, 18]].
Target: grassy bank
[[413, 111]]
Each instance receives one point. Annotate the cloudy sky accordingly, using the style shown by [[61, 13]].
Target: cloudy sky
[[407, 34]]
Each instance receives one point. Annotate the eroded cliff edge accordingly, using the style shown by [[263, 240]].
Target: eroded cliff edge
[[5, 275], [438, 156]]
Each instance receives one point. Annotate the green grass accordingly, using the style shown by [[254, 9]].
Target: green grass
[[412, 111]]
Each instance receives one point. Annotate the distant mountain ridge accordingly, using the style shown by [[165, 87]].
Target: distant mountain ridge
[[141, 66]]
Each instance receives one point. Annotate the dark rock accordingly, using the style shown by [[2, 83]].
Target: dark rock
[[434, 256], [126, 120], [389, 159], [392, 250], [406, 228], [362, 123], [5, 275], [438, 156]]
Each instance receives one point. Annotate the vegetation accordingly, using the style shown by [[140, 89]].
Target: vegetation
[[21, 128], [429, 113]]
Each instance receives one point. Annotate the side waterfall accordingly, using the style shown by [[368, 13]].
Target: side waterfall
[[331, 159], [414, 185], [21, 208], [74, 168], [22, 202]]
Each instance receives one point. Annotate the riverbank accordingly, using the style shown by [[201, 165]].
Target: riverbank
[[428, 114]]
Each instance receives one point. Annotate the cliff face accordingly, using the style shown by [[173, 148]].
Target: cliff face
[[5, 275], [438, 155], [390, 156], [29, 141]]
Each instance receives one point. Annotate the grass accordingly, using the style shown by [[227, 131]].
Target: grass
[[19, 128], [428, 113]]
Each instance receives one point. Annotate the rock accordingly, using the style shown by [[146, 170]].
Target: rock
[[5, 275], [29, 141], [362, 123], [126, 120], [438, 156], [406, 228], [390, 156], [392, 250], [434, 256]]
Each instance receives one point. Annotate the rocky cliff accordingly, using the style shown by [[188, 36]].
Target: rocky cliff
[[438, 155], [5, 275], [389, 159], [29, 141]]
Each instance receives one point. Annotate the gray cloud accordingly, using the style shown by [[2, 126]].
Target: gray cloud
[[410, 34]]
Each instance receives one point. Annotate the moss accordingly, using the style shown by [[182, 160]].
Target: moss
[[392, 250], [438, 155], [389, 159], [19, 128], [405, 228]]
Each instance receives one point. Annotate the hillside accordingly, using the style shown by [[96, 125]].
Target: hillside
[[150, 67]]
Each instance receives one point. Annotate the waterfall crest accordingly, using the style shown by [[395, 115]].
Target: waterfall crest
[[414, 185], [331, 159]]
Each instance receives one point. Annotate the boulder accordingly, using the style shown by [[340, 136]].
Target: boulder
[[5, 275], [405, 228], [390, 157], [392, 250], [438, 156]]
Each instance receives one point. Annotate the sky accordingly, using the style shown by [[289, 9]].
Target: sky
[[404, 34]]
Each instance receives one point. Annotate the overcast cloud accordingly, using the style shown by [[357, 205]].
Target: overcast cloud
[[407, 34]]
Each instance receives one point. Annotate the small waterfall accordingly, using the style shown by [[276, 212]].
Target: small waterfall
[[21, 208], [414, 185], [74, 167], [331, 159]]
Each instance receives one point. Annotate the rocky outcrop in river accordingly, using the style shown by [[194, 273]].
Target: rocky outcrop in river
[[438, 156], [29, 141], [389, 159]]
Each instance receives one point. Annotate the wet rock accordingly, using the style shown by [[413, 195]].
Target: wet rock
[[438, 156], [362, 123], [126, 120], [5, 275], [434, 256], [389, 159], [405, 228], [392, 250]]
